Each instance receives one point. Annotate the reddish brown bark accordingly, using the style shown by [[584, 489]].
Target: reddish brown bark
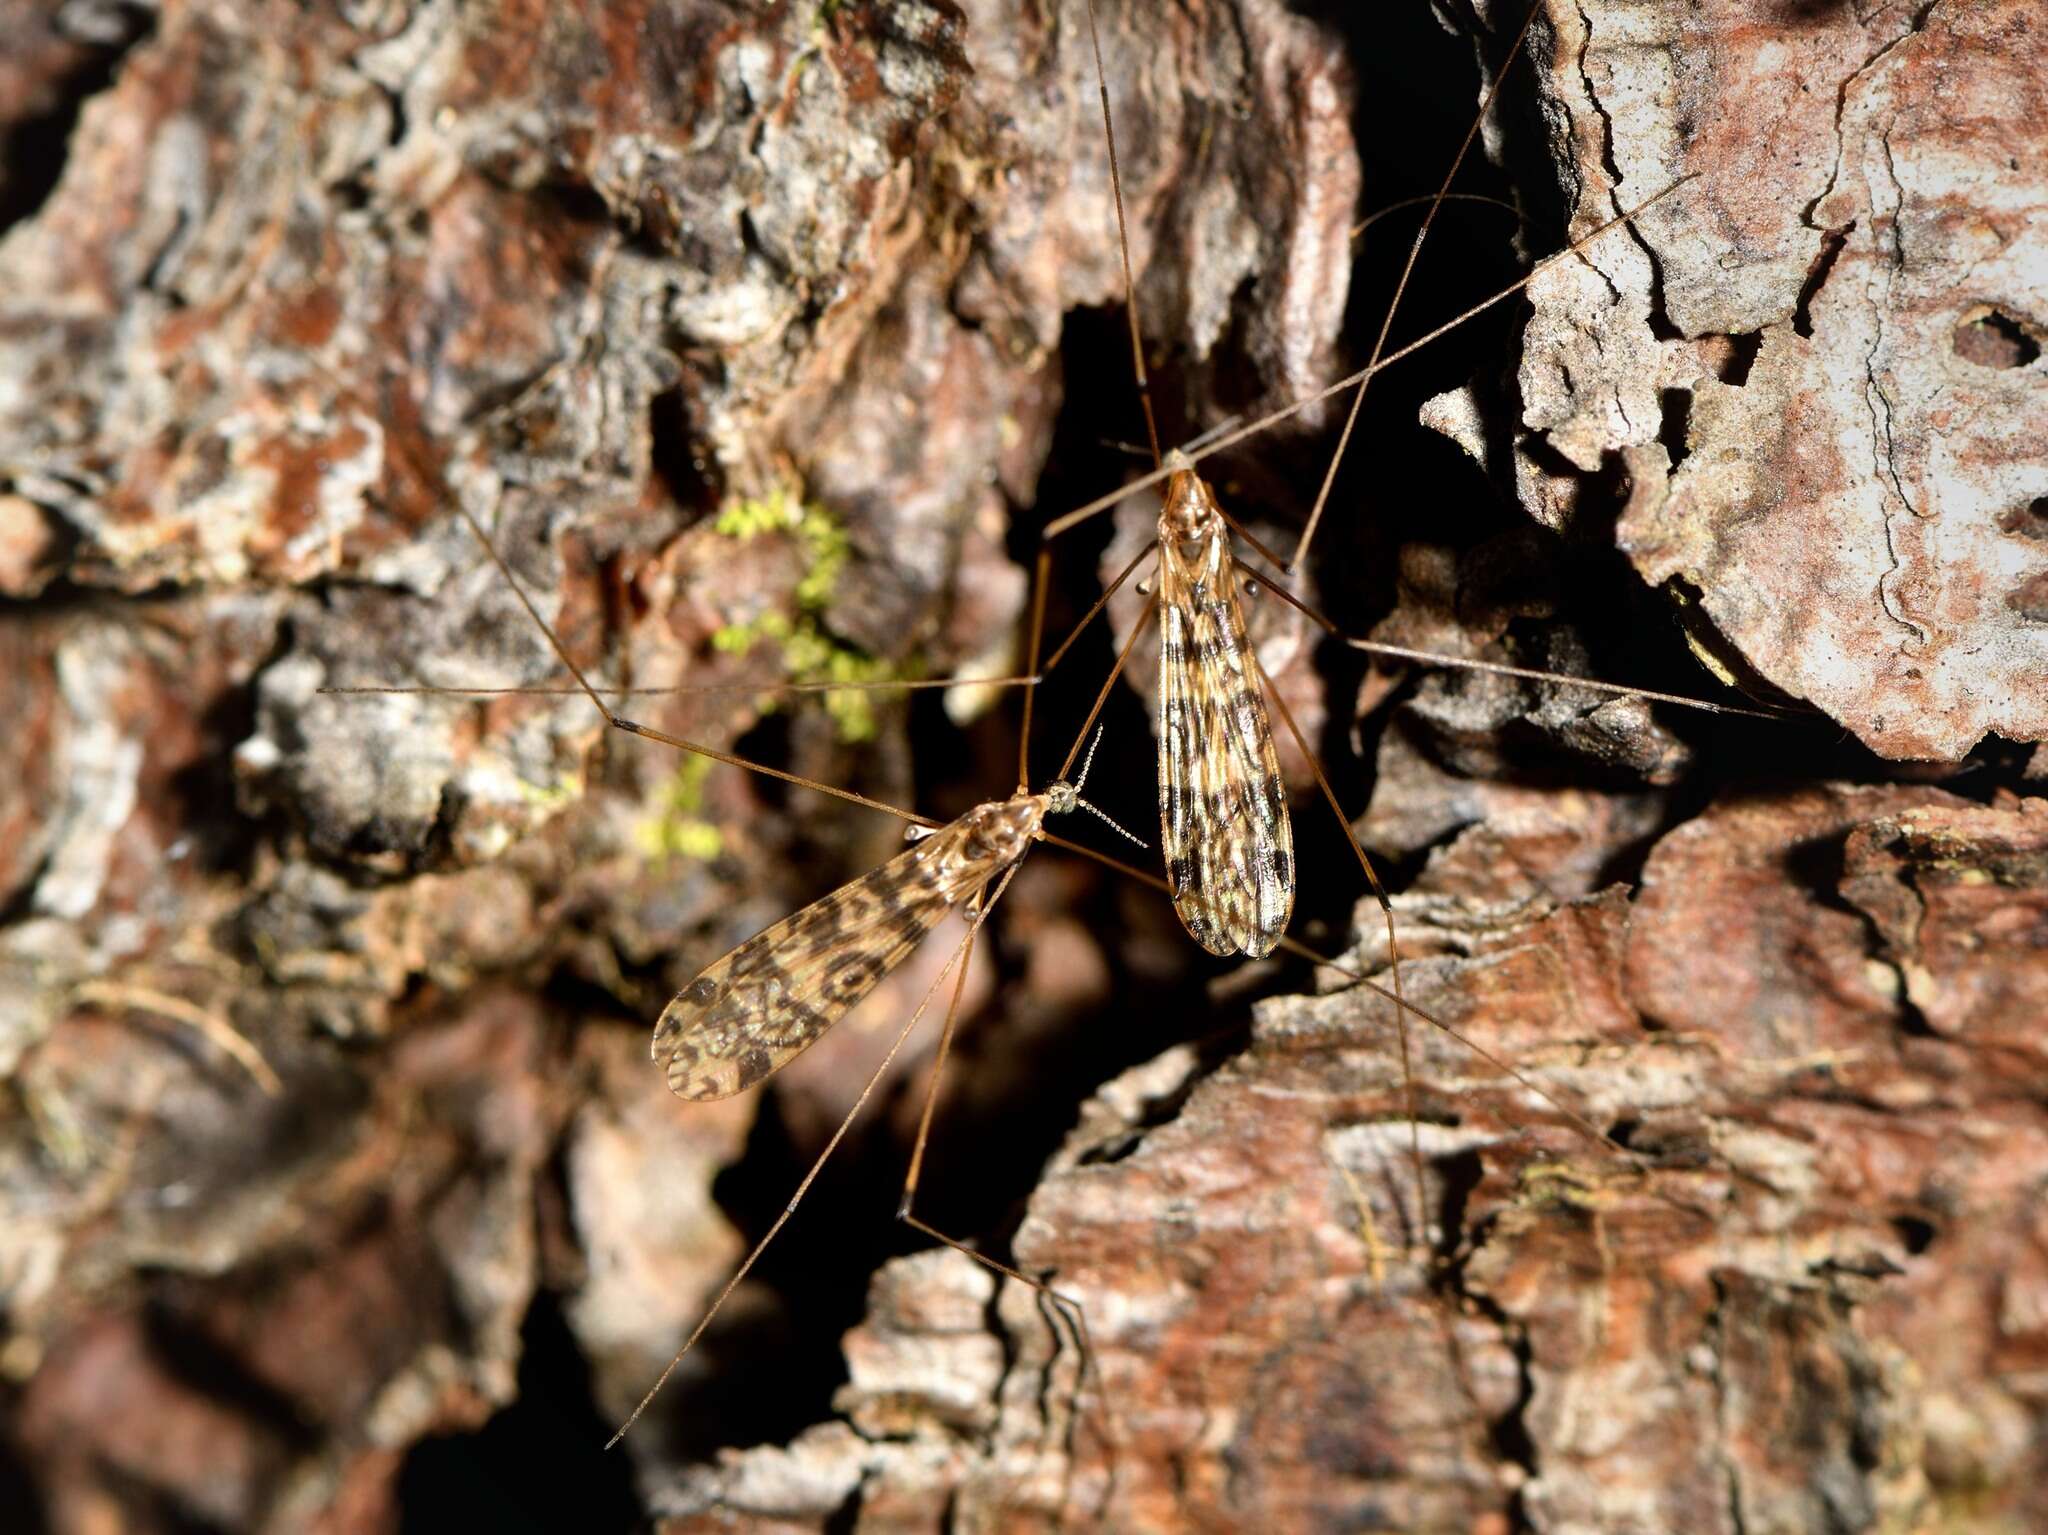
[[1805, 1301], [328, 1130]]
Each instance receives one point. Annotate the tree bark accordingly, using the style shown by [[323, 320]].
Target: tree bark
[[338, 1191]]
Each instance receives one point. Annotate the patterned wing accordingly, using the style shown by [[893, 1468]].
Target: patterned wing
[[1222, 804], [755, 1010]]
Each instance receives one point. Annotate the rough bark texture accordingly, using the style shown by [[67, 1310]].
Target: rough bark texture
[[1820, 365], [336, 1191], [1811, 1301]]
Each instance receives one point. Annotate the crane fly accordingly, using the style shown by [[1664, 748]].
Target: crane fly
[[1223, 824], [755, 1010], [1225, 832]]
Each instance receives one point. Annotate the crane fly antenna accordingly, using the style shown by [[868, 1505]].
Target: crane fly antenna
[[1066, 797], [1088, 761], [1103, 816]]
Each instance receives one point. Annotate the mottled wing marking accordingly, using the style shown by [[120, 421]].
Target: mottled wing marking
[[756, 1009], [1222, 805]]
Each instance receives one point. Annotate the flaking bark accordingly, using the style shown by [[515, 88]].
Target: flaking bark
[[329, 1130]]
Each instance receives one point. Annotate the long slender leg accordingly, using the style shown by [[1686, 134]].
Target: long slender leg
[[810, 1177], [931, 1092], [1102, 693], [1578, 1122], [542, 689], [1469, 664], [1379, 344], [1064, 1305], [1422, 1222]]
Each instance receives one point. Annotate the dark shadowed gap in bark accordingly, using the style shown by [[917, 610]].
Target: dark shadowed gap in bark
[[768, 742], [1212, 1051], [1098, 409], [1677, 412], [33, 147], [536, 1464], [20, 1493], [1832, 243], [845, 1519], [1739, 357], [223, 842], [1512, 1440], [1417, 89], [684, 472], [1916, 1233], [771, 1364], [1461, 1176]]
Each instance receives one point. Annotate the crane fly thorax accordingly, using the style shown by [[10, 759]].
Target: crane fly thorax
[[1190, 521], [999, 833]]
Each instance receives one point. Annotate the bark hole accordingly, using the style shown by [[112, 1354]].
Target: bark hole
[[1735, 356], [2029, 521], [1915, 1234], [1992, 339], [676, 462], [769, 743], [1461, 1175], [1676, 405]]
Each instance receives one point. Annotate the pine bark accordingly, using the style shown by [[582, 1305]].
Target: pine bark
[[331, 1164]]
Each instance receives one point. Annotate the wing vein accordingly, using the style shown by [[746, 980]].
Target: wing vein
[[758, 1007], [1223, 811]]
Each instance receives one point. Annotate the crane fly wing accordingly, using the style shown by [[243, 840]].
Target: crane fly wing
[[1223, 807], [1184, 808], [754, 1011]]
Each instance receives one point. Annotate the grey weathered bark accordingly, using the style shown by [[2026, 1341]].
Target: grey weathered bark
[[1817, 364], [321, 1015]]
